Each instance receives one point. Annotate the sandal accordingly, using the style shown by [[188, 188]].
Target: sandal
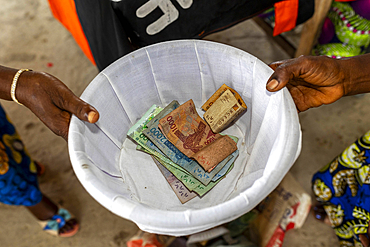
[[58, 221]]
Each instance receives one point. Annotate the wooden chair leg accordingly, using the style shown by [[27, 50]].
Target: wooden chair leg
[[279, 39], [312, 27]]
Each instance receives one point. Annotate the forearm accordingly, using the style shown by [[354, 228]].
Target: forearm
[[357, 74], [21, 89], [27, 83], [6, 78]]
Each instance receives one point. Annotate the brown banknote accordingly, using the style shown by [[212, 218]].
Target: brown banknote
[[218, 93], [184, 128], [223, 112]]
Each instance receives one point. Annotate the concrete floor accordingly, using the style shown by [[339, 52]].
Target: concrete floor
[[31, 38]]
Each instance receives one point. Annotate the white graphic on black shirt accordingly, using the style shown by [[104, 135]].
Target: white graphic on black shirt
[[170, 13]]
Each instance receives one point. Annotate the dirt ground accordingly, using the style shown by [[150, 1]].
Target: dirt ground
[[31, 38]]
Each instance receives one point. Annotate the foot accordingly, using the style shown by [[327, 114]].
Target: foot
[[40, 168], [53, 220], [69, 229], [320, 214]]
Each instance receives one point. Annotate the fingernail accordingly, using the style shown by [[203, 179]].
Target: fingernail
[[272, 84], [91, 116]]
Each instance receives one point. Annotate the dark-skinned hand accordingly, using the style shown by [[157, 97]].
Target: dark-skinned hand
[[364, 238], [311, 80], [52, 101]]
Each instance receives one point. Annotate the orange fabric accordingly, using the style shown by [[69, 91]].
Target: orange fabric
[[142, 243], [286, 13], [65, 12]]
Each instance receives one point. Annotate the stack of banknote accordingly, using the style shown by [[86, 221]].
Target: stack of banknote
[[191, 157]]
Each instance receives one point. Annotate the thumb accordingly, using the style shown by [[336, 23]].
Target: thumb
[[92, 116], [81, 109], [277, 80], [284, 71], [87, 112]]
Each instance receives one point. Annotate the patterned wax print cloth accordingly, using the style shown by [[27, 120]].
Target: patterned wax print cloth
[[18, 172], [343, 187]]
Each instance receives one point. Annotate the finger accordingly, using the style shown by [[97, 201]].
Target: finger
[[298, 98], [278, 80], [57, 121], [63, 128], [86, 112], [286, 71], [301, 106], [80, 108], [306, 98], [274, 65]]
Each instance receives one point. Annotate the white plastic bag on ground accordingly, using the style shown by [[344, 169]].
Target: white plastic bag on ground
[[128, 183]]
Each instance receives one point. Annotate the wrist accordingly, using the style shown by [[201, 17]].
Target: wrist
[[357, 74], [14, 84], [344, 68], [25, 86]]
